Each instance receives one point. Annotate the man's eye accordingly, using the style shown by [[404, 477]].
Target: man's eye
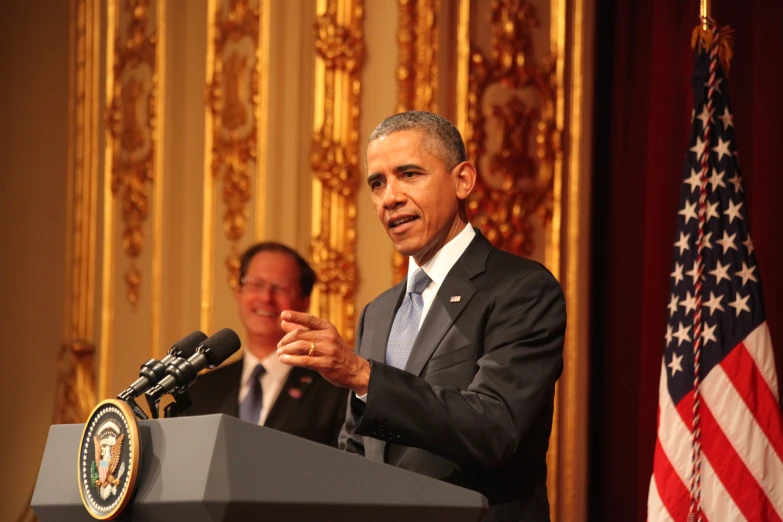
[[408, 174], [375, 184]]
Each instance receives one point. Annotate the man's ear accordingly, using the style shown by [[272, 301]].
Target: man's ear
[[466, 179]]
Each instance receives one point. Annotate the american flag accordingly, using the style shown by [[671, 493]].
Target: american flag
[[732, 468]]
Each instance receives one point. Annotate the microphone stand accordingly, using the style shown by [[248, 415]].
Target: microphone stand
[[181, 403], [127, 398]]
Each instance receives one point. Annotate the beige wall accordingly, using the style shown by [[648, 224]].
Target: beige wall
[[33, 159]]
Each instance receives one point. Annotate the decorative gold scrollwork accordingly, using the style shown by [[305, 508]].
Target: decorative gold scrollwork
[[339, 45], [511, 131], [130, 124], [232, 97]]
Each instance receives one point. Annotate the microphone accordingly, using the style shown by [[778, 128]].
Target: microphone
[[152, 371], [182, 373]]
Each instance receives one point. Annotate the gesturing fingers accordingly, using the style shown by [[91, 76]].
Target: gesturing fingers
[[308, 321]]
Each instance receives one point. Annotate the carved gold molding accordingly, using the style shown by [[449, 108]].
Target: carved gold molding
[[417, 72], [130, 126], [511, 131], [339, 46], [232, 97]]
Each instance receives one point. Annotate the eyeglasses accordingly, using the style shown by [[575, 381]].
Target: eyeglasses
[[257, 286]]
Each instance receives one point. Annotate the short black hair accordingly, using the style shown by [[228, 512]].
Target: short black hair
[[307, 276], [448, 144]]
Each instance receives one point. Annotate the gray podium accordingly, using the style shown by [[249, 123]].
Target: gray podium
[[218, 468]]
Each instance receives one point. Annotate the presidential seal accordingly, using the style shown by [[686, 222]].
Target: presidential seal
[[109, 455]]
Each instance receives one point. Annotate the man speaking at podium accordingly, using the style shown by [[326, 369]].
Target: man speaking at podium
[[453, 374]]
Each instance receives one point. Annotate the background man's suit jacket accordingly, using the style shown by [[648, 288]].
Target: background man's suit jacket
[[308, 405], [480, 416]]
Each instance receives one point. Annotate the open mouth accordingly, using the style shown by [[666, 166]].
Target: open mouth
[[398, 222]]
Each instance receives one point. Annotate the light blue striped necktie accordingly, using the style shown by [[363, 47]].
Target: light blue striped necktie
[[406, 322]]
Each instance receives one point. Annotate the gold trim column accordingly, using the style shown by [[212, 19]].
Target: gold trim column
[[417, 73], [75, 396], [334, 157]]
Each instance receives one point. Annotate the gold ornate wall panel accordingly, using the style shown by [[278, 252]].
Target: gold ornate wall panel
[[417, 72], [233, 101], [339, 48], [131, 129], [511, 132]]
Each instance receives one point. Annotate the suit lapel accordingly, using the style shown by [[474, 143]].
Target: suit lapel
[[443, 312], [296, 387], [440, 317], [232, 375]]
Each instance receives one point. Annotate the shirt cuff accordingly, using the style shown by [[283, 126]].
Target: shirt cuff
[[362, 398]]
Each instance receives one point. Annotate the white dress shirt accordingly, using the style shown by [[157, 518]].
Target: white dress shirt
[[437, 269], [440, 265], [272, 380]]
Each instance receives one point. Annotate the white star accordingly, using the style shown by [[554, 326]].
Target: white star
[[727, 241], [722, 148], [740, 303], [708, 333], [716, 180], [705, 116], [694, 181], [668, 334], [733, 211], [737, 182], [748, 244], [706, 240], [712, 211], [746, 273], [672, 306], [682, 334], [675, 365], [699, 147], [693, 272], [689, 303], [677, 274], [727, 118], [721, 272], [717, 84], [683, 242], [714, 303], [689, 212]]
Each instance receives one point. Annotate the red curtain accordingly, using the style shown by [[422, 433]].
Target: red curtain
[[643, 107]]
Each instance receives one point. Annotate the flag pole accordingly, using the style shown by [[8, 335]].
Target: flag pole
[[704, 13]]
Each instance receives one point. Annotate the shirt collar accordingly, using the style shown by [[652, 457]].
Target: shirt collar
[[444, 259], [274, 368]]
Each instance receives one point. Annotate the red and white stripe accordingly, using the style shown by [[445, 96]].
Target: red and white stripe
[[741, 441]]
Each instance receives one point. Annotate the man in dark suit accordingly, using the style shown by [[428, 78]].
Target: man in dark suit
[[259, 388], [455, 377]]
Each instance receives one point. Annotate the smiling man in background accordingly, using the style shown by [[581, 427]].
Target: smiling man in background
[[259, 388]]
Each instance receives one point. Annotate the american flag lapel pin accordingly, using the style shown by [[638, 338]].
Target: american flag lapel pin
[[455, 298]]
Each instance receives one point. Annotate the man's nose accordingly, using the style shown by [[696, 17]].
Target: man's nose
[[393, 196]]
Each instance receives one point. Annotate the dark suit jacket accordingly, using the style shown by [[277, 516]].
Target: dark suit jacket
[[318, 414], [474, 405]]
